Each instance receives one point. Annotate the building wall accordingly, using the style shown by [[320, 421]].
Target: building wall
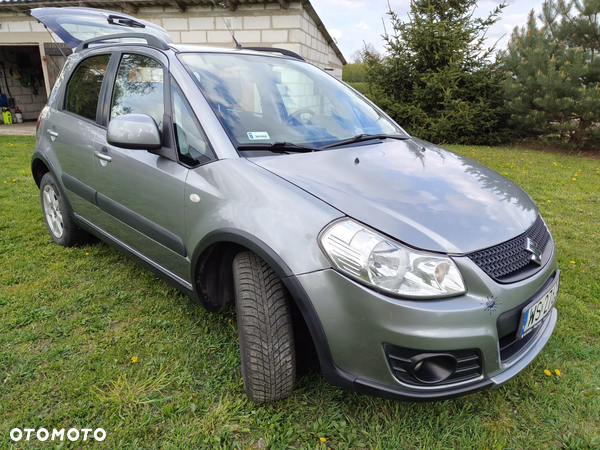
[[267, 25]]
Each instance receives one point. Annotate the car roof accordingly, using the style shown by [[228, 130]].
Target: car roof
[[187, 48]]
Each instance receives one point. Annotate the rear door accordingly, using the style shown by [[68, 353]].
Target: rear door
[[75, 25], [140, 194], [73, 126]]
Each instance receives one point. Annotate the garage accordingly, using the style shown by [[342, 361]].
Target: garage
[[22, 86]]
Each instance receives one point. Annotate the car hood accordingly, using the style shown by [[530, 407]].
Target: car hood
[[425, 196]]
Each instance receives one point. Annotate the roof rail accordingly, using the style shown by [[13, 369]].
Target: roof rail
[[282, 51], [152, 40]]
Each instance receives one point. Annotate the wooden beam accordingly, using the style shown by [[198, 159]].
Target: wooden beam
[[128, 7], [17, 9], [285, 4], [179, 5], [229, 4]]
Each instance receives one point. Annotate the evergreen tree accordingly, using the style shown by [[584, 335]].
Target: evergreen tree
[[437, 80], [553, 73]]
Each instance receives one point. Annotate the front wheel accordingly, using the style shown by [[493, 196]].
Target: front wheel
[[59, 222], [265, 331]]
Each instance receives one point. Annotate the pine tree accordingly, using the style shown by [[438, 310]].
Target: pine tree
[[553, 73], [438, 80]]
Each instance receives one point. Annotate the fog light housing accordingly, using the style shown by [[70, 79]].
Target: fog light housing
[[433, 368]]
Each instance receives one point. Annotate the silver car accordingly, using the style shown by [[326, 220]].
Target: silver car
[[248, 177]]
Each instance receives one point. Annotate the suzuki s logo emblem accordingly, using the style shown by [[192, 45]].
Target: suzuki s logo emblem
[[536, 254]]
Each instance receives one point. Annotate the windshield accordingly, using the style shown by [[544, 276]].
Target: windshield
[[268, 100]]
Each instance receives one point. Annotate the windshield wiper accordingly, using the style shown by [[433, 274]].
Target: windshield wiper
[[365, 137], [278, 147]]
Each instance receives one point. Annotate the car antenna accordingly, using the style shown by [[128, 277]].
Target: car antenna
[[56, 43], [237, 44]]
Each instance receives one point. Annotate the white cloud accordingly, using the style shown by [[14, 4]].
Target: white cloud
[[362, 26], [335, 33]]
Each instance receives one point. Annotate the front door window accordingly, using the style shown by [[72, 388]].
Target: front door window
[[139, 88]]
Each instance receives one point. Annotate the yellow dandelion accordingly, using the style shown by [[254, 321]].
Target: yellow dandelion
[[134, 359], [322, 439], [557, 372], [549, 201], [505, 173], [86, 253], [554, 164], [574, 179], [572, 262], [547, 372], [583, 271], [14, 180], [4, 182], [229, 320]]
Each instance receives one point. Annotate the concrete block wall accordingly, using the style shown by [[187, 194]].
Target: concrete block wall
[[263, 24], [258, 25]]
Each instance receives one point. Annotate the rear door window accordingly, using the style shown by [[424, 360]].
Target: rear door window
[[84, 87], [139, 88]]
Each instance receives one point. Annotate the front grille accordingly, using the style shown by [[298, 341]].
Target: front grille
[[469, 364], [510, 256]]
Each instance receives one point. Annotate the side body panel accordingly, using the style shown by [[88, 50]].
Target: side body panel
[[140, 199], [236, 194]]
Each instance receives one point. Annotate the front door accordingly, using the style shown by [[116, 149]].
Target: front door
[[140, 194]]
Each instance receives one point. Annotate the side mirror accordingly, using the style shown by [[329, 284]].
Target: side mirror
[[134, 131]]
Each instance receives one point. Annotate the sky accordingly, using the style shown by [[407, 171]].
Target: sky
[[350, 22]]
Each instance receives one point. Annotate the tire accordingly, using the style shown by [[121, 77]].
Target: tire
[[60, 224], [265, 331]]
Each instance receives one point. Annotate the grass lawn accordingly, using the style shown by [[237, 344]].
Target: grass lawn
[[72, 319]]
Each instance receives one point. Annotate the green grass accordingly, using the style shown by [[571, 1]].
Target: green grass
[[71, 319]]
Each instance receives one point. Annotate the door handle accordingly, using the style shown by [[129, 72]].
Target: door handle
[[102, 156], [53, 134]]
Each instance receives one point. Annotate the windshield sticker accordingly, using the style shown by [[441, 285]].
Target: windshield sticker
[[258, 135]]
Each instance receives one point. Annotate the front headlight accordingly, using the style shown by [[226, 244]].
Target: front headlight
[[374, 259]]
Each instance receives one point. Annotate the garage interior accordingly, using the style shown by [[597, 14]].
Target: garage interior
[[22, 84]]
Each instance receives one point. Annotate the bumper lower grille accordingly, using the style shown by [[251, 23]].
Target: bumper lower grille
[[510, 346], [511, 256], [399, 358]]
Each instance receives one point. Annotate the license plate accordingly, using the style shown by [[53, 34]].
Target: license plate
[[534, 313]]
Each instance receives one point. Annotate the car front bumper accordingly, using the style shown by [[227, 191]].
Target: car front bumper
[[358, 322]]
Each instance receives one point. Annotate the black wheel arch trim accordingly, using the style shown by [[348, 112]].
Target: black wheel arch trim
[[247, 240], [37, 155], [331, 372]]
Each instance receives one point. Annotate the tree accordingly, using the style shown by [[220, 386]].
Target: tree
[[553, 73], [358, 55], [438, 79]]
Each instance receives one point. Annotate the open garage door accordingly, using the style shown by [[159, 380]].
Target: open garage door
[[55, 60]]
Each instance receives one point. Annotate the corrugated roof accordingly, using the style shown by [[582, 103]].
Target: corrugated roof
[[181, 5]]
